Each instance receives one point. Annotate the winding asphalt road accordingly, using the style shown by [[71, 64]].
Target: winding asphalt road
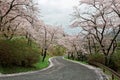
[[61, 70]]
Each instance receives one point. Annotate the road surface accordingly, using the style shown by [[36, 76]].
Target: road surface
[[61, 70]]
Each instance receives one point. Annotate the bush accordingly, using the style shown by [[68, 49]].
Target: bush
[[17, 52], [96, 58], [57, 50], [116, 61]]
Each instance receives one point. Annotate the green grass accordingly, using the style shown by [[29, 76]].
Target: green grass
[[16, 55], [83, 62], [41, 64], [107, 72], [110, 75], [16, 69]]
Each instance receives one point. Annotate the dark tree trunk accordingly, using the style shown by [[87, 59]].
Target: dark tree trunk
[[29, 42], [95, 47], [78, 56], [44, 55], [107, 60], [68, 55], [89, 46], [42, 52], [72, 56]]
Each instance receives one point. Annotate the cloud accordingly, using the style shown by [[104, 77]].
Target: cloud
[[54, 8], [59, 3], [57, 11]]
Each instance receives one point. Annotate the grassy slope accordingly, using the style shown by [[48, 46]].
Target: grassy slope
[[83, 62], [16, 69]]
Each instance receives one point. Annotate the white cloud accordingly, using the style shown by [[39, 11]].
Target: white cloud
[[57, 11], [59, 3]]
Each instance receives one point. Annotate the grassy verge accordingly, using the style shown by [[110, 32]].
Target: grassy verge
[[41, 65], [17, 69], [83, 62], [17, 55]]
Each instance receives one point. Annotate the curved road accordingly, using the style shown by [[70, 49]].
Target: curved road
[[61, 70]]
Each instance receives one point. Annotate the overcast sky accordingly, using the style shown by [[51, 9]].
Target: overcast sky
[[58, 12]]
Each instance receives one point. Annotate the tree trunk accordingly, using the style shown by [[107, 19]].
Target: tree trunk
[[29, 42], [72, 56], [68, 55], [89, 46], [95, 47], [107, 60], [42, 52], [44, 55]]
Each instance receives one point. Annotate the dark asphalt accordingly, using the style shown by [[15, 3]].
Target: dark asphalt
[[62, 70]]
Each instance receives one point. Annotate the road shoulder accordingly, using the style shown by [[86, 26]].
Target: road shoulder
[[98, 71], [29, 72]]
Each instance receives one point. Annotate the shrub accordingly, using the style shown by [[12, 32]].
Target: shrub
[[17, 52], [96, 58], [57, 50], [116, 61]]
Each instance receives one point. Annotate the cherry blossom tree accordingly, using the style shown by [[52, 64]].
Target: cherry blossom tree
[[46, 36], [73, 46], [116, 7], [90, 44], [100, 17], [14, 12]]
